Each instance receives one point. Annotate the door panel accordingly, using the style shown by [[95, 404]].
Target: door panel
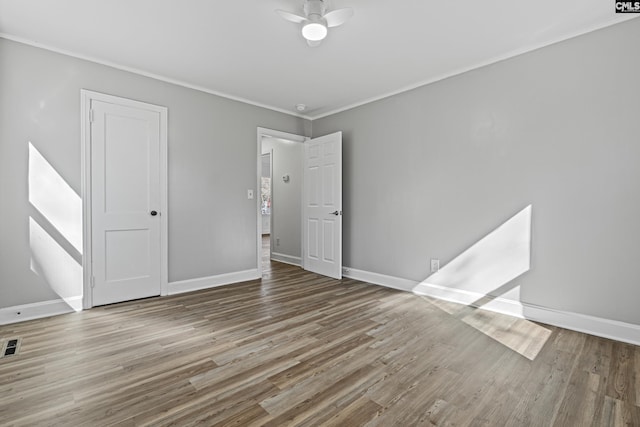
[[126, 165], [313, 229], [125, 188], [313, 178], [323, 205], [121, 246], [328, 247]]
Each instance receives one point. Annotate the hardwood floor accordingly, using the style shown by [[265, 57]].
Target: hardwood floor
[[300, 349]]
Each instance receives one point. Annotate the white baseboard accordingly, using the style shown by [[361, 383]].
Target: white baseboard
[[379, 279], [287, 259], [462, 296], [606, 328], [38, 310], [212, 281]]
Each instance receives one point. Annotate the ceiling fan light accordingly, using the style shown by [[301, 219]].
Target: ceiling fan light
[[314, 31]]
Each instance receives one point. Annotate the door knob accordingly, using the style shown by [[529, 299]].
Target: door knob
[[336, 213], [154, 213]]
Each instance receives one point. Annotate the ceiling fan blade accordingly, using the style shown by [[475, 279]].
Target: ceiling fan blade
[[292, 17], [338, 17]]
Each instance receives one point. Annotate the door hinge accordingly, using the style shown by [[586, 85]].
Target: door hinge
[[93, 282], [91, 118]]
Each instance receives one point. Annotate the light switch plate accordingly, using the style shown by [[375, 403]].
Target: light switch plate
[[249, 194]]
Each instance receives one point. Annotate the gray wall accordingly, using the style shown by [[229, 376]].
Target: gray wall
[[430, 172], [212, 163], [286, 197]]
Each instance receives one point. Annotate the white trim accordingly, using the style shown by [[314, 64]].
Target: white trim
[[465, 297], [480, 64], [287, 259], [147, 74], [86, 96], [271, 207], [303, 239], [85, 192], [267, 133], [164, 201], [39, 310], [270, 133], [606, 328], [379, 279], [191, 285]]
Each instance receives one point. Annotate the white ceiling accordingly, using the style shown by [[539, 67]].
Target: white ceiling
[[243, 50]]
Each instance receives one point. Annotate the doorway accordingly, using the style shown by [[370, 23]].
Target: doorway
[[306, 201], [279, 208], [284, 199], [124, 157]]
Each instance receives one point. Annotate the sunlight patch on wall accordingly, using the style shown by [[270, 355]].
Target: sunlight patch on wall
[[50, 194], [488, 265], [55, 254], [51, 262]]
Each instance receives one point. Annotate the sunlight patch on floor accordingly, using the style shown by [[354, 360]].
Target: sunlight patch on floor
[[520, 335]]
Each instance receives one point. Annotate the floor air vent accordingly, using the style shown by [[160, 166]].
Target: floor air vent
[[10, 348]]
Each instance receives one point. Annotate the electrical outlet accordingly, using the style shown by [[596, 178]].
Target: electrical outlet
[[277, 241], [435, 265]]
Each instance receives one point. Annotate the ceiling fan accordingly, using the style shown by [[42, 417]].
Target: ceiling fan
[[317, 20]]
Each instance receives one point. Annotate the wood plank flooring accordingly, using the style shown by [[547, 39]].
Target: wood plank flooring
[[298, 349]]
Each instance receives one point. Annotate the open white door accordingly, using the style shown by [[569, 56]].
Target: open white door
[[322, 210], [126, 200]]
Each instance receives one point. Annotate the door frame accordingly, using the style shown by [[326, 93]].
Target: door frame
[[86, 96], [264, 132]]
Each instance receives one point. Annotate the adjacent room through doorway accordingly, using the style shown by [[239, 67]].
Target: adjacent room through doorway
[[281, 198], [265, 205]]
